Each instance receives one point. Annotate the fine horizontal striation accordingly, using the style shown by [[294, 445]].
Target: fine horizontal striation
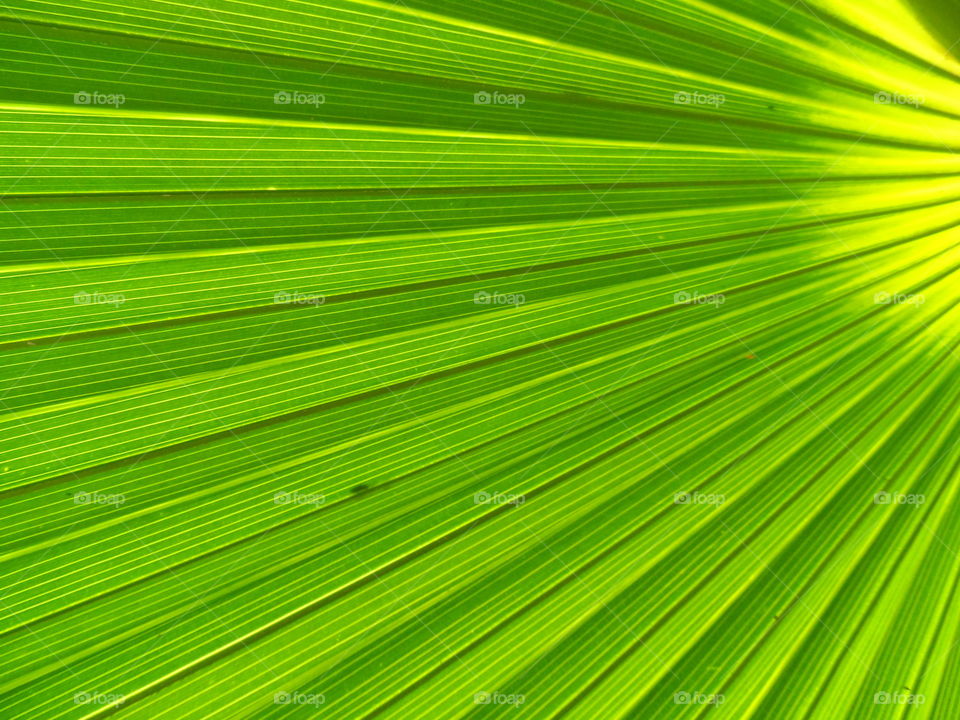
[[435, 359]]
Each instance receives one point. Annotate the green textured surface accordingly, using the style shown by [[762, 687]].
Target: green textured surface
[[635, 399]]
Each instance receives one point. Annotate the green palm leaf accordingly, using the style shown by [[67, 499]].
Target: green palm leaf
[[453, 358]]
